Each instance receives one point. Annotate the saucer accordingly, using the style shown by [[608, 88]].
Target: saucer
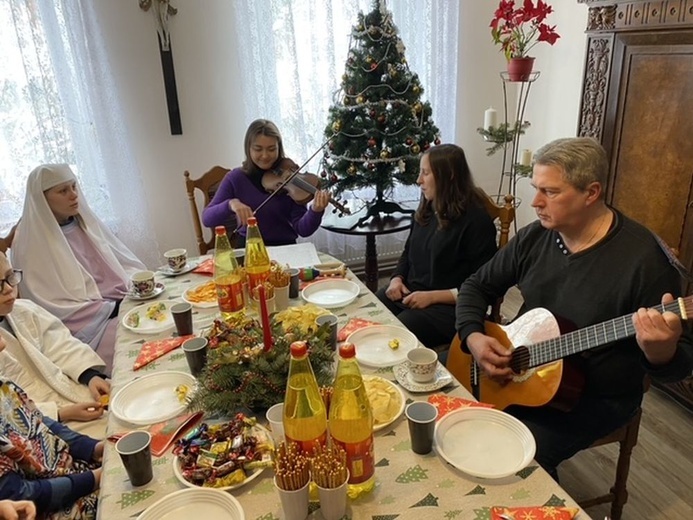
[[158, 289], [167, 271], [403, 377]]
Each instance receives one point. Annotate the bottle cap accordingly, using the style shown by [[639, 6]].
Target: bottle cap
[[347, 351], [252, 221], [298, 348], [220, 230]]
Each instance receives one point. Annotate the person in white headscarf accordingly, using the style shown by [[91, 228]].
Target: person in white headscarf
[[74, 266]]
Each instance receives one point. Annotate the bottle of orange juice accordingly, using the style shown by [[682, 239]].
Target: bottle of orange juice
[[305, 419], [257, 261], [227, 276], [351, 422]]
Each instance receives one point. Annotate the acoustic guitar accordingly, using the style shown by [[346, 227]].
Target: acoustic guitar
[[538, 349]]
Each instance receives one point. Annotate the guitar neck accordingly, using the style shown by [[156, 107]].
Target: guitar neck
[[598, 335]]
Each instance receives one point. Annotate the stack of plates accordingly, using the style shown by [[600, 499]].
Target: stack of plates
[[193, 503]]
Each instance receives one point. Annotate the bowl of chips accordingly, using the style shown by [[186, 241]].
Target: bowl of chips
[[203, 295], [301, 317], [387, 401]]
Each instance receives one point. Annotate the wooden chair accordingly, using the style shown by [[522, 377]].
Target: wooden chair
[[207, 184], [6, 242], [504, 215]]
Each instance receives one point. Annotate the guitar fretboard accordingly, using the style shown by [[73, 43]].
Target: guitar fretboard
[[596, 335]]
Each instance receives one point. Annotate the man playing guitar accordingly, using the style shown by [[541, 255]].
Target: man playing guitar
[[586, 262]]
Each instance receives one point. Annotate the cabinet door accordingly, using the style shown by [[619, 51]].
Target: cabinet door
[[648, 134]]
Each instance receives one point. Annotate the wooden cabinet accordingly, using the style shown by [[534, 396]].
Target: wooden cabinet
[[637, 101]]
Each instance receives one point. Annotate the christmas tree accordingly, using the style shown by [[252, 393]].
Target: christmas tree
[[379, 125]]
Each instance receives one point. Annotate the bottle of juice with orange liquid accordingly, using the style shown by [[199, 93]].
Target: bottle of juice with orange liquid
[[227, 276], [257, 260]]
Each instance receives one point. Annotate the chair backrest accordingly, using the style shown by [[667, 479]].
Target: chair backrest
[[6, 242], [207, 184], [504, 213]]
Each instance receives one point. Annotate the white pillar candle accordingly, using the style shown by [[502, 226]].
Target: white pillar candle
[[526, 158], [490, 118]]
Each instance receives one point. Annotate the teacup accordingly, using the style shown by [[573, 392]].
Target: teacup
[[422, 364], [176, 259], [142, 283]]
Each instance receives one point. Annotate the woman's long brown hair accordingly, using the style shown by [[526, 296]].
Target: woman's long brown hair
[[260, 127]]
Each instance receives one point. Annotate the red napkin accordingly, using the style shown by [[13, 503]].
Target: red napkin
[[447, 403], [353, 325], [206, 267], [157, 348], [535, 513]]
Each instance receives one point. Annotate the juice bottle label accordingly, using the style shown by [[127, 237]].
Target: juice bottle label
[[360, 459], [230, 296], [308, 447]]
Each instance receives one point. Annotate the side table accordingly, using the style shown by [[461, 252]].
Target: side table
[[374, 227]]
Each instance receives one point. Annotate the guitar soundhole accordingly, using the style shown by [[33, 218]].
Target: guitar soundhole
[[520, 360]]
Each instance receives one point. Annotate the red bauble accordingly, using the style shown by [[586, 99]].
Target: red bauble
[[372, 113], [437, 141], [323, 174], [374, 66], [372, 142], [382, 119], [409, 141], [334, 178], [427, 146]]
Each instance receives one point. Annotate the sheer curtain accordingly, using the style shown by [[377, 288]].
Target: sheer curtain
[[58, 103], [292, 55]]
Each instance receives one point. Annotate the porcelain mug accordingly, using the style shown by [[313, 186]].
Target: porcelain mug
[[176, 259], [422, 364], [142, 283]]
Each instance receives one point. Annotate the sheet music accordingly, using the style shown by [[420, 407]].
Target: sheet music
[[296, 255]]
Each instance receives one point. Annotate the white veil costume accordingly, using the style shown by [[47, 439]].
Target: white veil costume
[[53, 277]]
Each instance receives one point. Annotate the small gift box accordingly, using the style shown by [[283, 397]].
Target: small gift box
[[152, 350], [535, 513], [447, 403]]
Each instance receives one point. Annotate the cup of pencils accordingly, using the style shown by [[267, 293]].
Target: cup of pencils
[[291, 479], [328, 468]]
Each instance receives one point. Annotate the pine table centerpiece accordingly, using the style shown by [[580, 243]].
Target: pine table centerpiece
[[240, 373]]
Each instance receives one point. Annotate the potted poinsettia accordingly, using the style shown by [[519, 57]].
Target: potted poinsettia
[[518, 30]]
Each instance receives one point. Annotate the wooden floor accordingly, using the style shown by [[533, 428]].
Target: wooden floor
[[660, 482]]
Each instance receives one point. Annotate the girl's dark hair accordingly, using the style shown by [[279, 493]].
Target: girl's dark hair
[[260, 127], [455, 189]]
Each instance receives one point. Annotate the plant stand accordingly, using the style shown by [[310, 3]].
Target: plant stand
[[511, 168]]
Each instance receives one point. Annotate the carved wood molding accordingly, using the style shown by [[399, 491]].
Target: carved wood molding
[[620, 15], [595, 88]]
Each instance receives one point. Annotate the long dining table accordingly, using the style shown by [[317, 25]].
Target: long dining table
[[408, 486]]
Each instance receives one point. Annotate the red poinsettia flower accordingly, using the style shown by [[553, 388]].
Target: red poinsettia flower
[[519, 29]]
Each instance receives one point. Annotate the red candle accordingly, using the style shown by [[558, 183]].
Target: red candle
[[264, 316]]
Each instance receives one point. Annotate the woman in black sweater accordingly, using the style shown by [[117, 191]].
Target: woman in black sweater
[[451, 237]]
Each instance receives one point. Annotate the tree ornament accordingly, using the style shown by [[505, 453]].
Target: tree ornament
[[384, 154], [416, 89], [374, 66], [360, 100], [418, 107], [437, 141], [351, 170], [404, 61], [346, 101], [427, 146], [336, 126], [372, 142], [359, 27], [344, 77], [323, 174], [334, 178], [372, 113], [383, 78], [409, 141], [382, 119], [415, 149], [370, 59], [371, 166]]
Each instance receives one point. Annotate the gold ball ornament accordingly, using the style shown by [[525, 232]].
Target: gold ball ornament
[[336, 126], [384, 154], [416, 89], [351, 170], [347, 101], [415, 149], [360, 100], [418, 107]]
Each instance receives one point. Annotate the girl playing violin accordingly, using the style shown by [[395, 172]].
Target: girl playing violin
[[282, 219]]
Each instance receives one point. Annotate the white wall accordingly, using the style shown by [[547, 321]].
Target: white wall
[[213, 127]]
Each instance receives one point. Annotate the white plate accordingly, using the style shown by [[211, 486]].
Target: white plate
[[484, 442], [203, 305], [331, 294], [166, 270], [372, 347], [158, 289], [252, 474], [152, 398], [195, 503], [403, 377], [146, 325], [397, 391]]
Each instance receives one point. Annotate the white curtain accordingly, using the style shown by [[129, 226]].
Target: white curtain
[[58, 103], [292, 55]]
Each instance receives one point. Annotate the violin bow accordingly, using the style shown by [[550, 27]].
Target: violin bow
[[285, 182]]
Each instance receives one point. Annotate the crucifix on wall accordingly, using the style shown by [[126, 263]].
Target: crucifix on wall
[[162, 10]]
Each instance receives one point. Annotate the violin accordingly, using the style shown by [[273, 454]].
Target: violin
[[301, 187]]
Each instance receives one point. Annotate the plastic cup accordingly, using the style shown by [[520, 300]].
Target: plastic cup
[[331, 321], [275, 418], [195, 350], [135, 452], [293, 283], [421, 417], [333, 501], [294, 503]]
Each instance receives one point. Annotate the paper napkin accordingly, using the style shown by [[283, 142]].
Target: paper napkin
[[206, 267], [535, 513], [353, 325], [152, 350], [447, 403]]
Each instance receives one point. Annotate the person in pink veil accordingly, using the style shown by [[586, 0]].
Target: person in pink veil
[[74, 266]]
